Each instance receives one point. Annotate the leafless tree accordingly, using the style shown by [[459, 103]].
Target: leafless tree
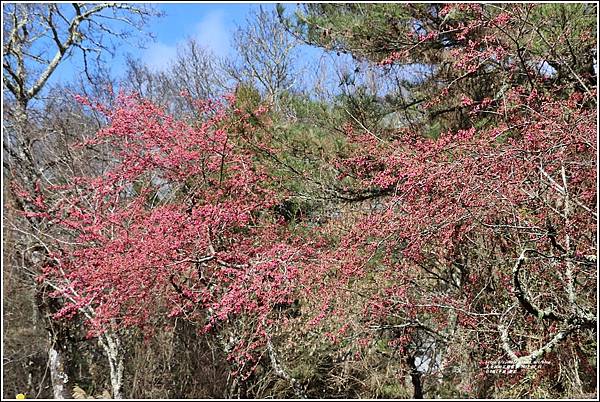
[[37, 39], [192, 75], [266, 54]]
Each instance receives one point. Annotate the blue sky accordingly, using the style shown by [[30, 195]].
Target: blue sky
[[211, 24]]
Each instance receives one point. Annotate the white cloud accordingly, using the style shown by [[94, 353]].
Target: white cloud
[[211, 32], [158, 56]]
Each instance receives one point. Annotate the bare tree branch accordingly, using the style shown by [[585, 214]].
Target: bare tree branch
[[522, 296]]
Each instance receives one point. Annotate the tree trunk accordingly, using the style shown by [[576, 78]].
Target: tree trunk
[[111, 344], [415, 376], [58, 377], [57, 343]]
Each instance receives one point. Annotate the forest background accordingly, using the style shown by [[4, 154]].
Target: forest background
[[300, 200]]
